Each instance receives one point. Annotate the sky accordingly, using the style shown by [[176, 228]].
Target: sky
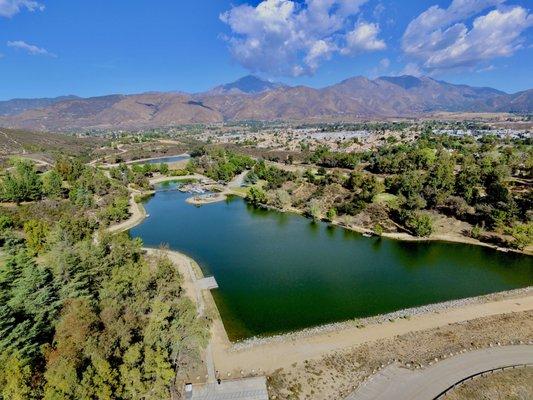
[[99, 47]]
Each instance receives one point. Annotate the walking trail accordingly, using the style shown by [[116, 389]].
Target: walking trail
[[402, 384]]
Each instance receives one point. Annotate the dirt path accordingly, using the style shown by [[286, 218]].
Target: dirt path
[[281, 354]]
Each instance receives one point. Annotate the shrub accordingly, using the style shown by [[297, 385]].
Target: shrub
[[35, 232], [420, 224], [256, 196]]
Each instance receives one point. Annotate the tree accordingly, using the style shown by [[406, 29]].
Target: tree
[[314, 209], [420, 224], [331, 214], [256, 196], [21, 185], [440, 180], [52, 184], [468, 180], [15, 377], [35, 232], [409, 187], [70, 169], [163, 169]]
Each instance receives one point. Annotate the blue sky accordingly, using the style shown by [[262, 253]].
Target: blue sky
[[89, 48]]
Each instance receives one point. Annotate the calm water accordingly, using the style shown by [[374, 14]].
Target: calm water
[[169, 159], [279, 272]]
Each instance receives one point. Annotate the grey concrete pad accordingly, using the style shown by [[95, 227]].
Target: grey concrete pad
[[236, 389], [207, 283]]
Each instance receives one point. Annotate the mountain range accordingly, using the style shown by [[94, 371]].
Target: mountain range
[[252, 98]]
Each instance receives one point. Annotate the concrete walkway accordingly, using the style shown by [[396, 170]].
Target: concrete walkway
[[399, 383], [238, 389]]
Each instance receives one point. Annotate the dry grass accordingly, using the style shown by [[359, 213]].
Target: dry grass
[[516, 384]]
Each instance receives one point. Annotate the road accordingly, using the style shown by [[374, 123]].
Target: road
[[399, 383]]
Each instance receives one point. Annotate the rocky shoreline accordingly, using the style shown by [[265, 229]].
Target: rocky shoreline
[[377, 319]]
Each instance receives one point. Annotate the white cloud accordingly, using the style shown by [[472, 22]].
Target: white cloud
[[30, 48], [364, 37], [8, 8], [289, 37], [440, 39]]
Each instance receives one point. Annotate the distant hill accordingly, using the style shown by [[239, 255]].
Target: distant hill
[[16, 106], [252, 98]]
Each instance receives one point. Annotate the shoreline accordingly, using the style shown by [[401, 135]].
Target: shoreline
[[269, 353], [388, 235], [405, 313]]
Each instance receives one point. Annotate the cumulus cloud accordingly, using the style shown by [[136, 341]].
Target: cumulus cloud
[[8, 8], [364, 37], [30, 48], [289, 37], [440, 39]]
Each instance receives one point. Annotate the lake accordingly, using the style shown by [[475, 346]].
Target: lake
[[165, 160], [279, 272]]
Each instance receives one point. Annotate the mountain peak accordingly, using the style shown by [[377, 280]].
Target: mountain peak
[[405, 81], [249, 84]]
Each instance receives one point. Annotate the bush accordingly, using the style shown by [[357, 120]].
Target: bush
[[522, 235], [35, 232], [331, 214], [420, 224], [256, 196]]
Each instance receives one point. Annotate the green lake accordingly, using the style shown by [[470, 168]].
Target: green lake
[[280, 272]]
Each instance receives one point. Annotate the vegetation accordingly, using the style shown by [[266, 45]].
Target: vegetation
[[219, 164], [482, 182], [82, 318]]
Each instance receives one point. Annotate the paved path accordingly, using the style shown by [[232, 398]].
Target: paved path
[[402, 384], [238, 389]]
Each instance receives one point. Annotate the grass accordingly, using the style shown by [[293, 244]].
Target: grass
[[385, 198]]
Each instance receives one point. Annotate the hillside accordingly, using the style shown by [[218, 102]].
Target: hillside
[[23, 142], [251, 98]]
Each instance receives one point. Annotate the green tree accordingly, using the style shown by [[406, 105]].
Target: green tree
[[163, 169], [52, 184], [440, 180], [331, 214], [420, 224], [23, 184], [522, 235], [256, 196], [468, 180], [35, 232]]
